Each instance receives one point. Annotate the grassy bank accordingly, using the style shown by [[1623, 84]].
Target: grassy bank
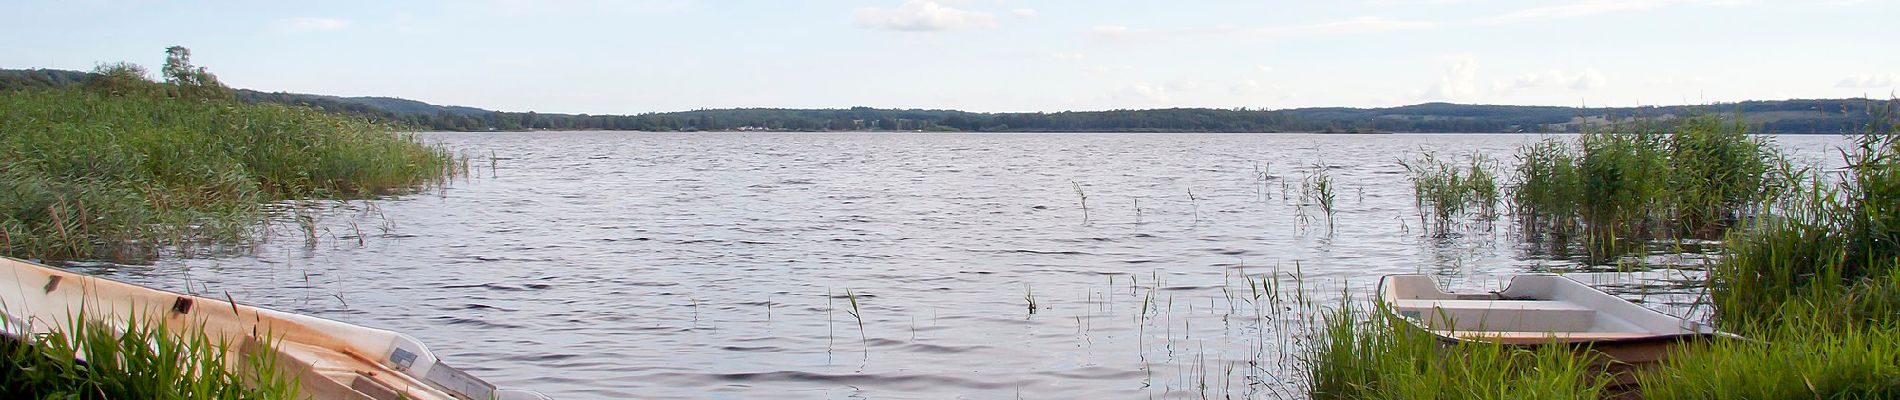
[[121, 170], [145, 361], [1810, 271]]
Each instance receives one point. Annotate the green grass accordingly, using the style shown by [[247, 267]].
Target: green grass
[[1615, 190], [93, 175], [143, 362], [1810, 274], [1320, 189], [1364, 354], [1446, 192], [1815, 353], [1834, 239]]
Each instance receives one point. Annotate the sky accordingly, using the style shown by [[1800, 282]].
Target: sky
[[638, 56]]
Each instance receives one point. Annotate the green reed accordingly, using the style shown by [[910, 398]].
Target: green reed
[[1615, 189], [1832, 241], [1362, 353], [121, 176], [1446, 192], [1810, 353], [1319, 189], [143, 361]]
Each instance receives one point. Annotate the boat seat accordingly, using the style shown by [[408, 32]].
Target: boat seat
[[1498, 315]]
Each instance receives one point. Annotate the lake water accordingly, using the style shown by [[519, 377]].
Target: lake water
[[716, 265]]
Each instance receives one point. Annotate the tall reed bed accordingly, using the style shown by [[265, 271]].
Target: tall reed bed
[[142, 361], [1831, 251], [93, 174], [1616, 189]]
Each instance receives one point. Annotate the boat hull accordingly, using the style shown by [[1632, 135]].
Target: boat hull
[[331, 359]]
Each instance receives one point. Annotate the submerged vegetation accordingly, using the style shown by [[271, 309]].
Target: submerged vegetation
[[144, 361], [126, 166]]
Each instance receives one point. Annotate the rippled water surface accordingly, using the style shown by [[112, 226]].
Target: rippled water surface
[[657, 265]]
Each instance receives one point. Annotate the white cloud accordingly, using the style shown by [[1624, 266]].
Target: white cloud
[[1068, 56], [1389, 3], [1142, 93], [1264, 69], [1586, 79], [1257, 89], [1359, 25], [1459, 81], [1869, 81], [923, 16], [1115, 32], [1589, 79], [1573, 10], [1368, 24], [1024, 13], [310, 24], [1183, 86]]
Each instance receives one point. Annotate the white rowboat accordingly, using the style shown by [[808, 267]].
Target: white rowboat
[[1539, 310], [330, 359]]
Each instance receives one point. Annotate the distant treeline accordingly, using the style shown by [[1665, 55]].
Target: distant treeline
[[1781, 116]]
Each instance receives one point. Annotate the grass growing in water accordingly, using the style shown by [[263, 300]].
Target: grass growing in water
[[1445, 191], [1814, 282], [1613, 190], [119, 173], [1836, 240], [144, 362], [1319, 190]]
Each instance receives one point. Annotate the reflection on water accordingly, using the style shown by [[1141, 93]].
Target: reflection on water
[[656, 265]]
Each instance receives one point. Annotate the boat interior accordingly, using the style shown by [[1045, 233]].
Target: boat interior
[[1532, 308]]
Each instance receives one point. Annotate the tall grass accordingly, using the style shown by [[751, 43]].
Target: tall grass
[[1811, 273], [1364, 354], [1833, 241], [1445, 191], [144, 361], [1815, 352], [92, 174], [1616, 189], [1319, 189]]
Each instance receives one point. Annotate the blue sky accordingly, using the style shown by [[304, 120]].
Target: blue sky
[[634, 56]]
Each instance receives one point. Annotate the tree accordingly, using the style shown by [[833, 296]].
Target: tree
[[190, 81], [122, 79]]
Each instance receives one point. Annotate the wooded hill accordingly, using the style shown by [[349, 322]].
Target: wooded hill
[[1777, 116]]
